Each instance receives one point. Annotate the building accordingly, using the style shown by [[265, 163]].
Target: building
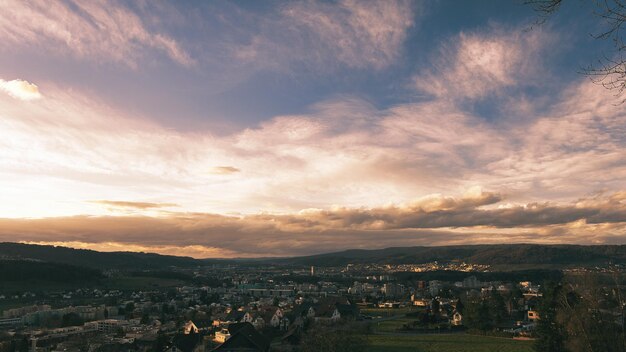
[[457, 318], [222, 335], [190, 328], [243, 337], [434, 287], [471, 282], [107, 326], [393, 290]]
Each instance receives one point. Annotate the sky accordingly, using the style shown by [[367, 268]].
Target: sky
[[250, 129]]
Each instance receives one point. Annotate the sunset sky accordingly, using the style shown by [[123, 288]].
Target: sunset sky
[[248, 128]]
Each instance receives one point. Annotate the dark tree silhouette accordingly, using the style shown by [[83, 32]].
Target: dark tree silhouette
[[610, 70], [71, 319], [551, 335]]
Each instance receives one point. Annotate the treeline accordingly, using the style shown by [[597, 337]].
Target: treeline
[[94, 259], [582, 315], [534, 275], [509, 254], [163, 274], [21, 270], [177, 275]]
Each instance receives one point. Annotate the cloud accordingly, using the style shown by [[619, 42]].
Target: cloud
[[475, 65], [98, 31], [343, 151], [345, 174], [350, 33], [437, 211], [136, 205], [224, 170], [20, 89], [431, 220], [191, 251]]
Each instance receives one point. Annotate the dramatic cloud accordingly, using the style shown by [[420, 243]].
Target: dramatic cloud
[[344, 174], [431, 220], [442, 212], [20, 89], [343, 131], [98, 31], [195, 251], [344, 152], [356, 34], [474, 65]]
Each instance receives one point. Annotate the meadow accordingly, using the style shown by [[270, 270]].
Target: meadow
[[445, 343]]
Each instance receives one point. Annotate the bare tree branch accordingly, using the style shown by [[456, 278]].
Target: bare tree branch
[[610, 71]]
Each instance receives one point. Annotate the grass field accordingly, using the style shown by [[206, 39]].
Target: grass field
[[387, 312], [445, 343], [391, 325]]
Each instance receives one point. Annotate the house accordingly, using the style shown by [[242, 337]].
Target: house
[[421, 302], [254, 318], [244, 337], [277, 317], [221, 336], [203, 325], [327, 313], [348, 311], [234, 316], [190, 328], [273, 317], [457, 318], [305, 311]]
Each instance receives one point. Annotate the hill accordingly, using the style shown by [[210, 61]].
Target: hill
[[93, 259], [555, 256], [507, 254], [25, 270]]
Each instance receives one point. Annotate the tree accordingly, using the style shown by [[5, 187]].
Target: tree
[[71, 319], [130, 307], [550, 333], [477, 316], [484, 317], [460, 307], [587, 308], [435, 306], [611, 68], [24, 345], [497, 307], [161, 342], [20, 346]]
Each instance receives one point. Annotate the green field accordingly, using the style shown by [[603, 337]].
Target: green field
[[445, 343], [387, 312], [392, 325]]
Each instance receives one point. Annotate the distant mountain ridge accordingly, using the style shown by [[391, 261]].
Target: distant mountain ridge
[[475, 254], [93, 259], [505, 254]]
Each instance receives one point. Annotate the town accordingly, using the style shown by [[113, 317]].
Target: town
[[223, 307]]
